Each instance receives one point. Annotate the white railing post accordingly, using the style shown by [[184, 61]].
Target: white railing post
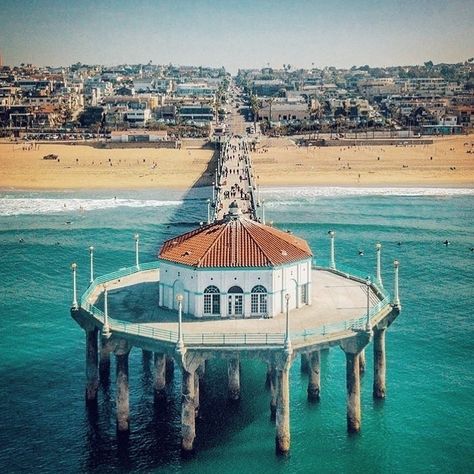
[[332, 260], [74, 286], [396, 298], [378, 275], [137, 238], [106, 327], [367, 283], [91, 253]]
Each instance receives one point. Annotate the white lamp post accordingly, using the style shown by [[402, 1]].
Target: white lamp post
[[106, 327], [263, 211], [332, 262], [137, 238], [180, 344], [287, 331], [367, 283], [396, 298], [208, 211], [74, 286], [378, 275], [213, 191], [91, 253]]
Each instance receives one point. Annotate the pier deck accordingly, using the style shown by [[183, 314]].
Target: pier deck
[[235, 179], [338, 304]]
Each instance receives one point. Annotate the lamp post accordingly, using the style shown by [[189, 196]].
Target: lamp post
[[106, 327], [396, 298], [213, 191], [91, 253], [208, 211], [332, 261], [74, 286], [137, 238], [287, 330], [378, 275], [263, 211], [367, 284], [180, 343]]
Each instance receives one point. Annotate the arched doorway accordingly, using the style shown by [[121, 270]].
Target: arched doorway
[[235, 303]]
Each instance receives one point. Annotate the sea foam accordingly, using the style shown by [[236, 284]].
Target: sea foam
[[10, 206], [342, 191]]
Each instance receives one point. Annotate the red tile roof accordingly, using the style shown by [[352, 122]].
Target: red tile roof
[[235, 243]]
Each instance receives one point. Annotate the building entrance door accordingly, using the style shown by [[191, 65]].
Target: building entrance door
[[235, 305]]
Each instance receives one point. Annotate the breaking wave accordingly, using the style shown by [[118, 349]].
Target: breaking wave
[[10, 206]]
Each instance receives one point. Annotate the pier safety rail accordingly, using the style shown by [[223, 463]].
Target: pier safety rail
[[324, 331]]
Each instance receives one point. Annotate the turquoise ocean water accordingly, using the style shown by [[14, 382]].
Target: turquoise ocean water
[[424, 425]]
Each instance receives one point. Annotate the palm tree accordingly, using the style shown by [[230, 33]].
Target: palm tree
[[255, 108]]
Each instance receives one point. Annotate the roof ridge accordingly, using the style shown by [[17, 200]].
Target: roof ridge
[[218, 237], [254, 240]]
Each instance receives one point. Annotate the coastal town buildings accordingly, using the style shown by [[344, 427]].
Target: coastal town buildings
[[192, 100]]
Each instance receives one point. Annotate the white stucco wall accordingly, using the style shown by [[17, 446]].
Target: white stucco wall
[[191, 283]]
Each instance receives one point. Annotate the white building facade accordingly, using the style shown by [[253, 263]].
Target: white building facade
[[220, 285]]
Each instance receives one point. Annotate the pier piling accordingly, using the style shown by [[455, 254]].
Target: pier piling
[[353, 392], [282, 418], [379, 363], [122, 398], [362, 362], [92, 377], [188, 411], [104, 359], [314, 379], [159, 383], [233, 372]]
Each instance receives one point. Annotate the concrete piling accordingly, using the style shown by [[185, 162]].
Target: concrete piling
[[233, 372], [104, 359], [188, 411], [196, 393], [282, 418], [314, 379], [379, 363], [169, 369], [273, 391], [92, 377], [353, 392], [121, 359], [159, 382], [305, 363], [362, 361]]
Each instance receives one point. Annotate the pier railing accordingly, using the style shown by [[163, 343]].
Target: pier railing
[[150, 330]]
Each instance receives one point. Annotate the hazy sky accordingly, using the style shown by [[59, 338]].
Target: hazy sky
[[236, 34]]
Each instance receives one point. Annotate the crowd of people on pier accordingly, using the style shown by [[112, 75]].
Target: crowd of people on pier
[[235, 178]]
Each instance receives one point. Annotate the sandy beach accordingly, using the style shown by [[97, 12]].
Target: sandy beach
[[445, 163]]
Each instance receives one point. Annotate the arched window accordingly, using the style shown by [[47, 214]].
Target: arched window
[[212, 300], [258, 300]]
